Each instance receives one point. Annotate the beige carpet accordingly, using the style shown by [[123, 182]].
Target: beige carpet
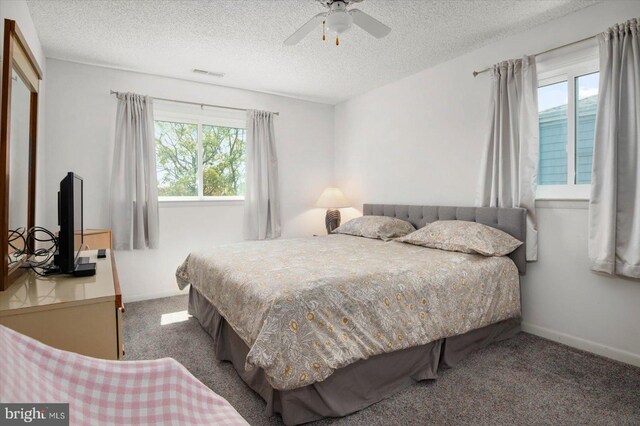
[[523, 381]]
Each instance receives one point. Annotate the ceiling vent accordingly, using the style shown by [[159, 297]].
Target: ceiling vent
[[211, 73]]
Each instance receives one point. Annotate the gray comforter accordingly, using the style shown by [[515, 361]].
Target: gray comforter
[[308, 306]]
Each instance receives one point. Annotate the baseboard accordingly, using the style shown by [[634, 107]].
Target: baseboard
[[149, 296], [583, 344]]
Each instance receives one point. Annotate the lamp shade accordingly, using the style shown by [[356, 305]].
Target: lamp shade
[[332, 198]]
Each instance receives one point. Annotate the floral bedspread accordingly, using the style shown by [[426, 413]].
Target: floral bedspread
[[308, 306]]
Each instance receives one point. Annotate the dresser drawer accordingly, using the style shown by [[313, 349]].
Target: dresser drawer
[[88, 329], [96, 239]]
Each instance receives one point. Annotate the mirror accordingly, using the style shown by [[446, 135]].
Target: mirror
[[19, 167], [21, 77]]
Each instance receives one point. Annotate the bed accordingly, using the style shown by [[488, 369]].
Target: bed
[[326, 326]]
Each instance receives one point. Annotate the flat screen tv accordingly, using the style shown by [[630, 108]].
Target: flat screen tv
[[70, 238]]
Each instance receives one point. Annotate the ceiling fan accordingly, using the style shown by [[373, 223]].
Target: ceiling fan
[[339, 19]]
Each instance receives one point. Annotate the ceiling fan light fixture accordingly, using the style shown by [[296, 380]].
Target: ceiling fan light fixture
[[339, 21]]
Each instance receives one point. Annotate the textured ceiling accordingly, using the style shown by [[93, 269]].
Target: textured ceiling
[[243, 39]]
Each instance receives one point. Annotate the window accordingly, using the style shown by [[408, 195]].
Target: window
[[586, 106], [567, 104], [553, 119], [199, 158]]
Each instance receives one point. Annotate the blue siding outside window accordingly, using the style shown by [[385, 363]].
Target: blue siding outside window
[[585, 132], [553, 143], [552, 169]]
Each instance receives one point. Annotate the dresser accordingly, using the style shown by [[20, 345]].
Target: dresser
[[77, 314], [95, 239]]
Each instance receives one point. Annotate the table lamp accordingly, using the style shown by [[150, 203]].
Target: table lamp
[[332, 199]]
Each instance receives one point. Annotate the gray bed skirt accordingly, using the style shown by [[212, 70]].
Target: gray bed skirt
[[351, 388]]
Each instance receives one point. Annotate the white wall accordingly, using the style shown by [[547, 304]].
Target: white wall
[[18, 11], [80, 133], [419, 140]]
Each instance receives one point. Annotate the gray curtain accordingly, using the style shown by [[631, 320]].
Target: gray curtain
[[261, 200], [509, 168], [134, 188], [614, 208]]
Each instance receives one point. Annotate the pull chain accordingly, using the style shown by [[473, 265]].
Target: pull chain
[[337, 41], [323, 30]]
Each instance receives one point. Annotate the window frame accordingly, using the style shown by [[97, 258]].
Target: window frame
[[570, 74], [199, 119]]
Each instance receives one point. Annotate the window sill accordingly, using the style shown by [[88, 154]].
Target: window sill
[[563, 192], [560, 203], [200, 202]]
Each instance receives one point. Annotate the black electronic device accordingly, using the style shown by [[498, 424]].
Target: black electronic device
[[70, 219], [102, 253], [84, 270]]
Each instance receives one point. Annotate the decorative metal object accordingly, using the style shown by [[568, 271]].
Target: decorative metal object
[[332, 220]]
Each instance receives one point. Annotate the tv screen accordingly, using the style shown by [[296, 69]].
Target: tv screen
[[70, 238]]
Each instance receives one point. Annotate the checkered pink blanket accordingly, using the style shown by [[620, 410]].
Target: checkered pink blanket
[[107, 392]]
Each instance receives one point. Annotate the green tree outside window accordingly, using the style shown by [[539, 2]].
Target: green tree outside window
[[223, 159]]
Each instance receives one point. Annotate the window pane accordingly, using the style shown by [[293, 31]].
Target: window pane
[[552, 109], [586, 105], [176, 158], [223, 160]]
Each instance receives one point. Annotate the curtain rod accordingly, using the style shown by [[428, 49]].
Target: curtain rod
[[113, 92], [475, 73]]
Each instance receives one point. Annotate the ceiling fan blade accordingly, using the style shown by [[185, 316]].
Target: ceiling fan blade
[[369, 23], [302, 32]]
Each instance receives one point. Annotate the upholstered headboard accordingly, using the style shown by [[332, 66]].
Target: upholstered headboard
[[511, 221]]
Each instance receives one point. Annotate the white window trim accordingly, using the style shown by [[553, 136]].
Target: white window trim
[[568, 72], [199, 119], [195, 201], [563, 192]]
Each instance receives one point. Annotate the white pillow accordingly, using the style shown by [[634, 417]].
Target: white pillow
[[463, 236], [380, 227]]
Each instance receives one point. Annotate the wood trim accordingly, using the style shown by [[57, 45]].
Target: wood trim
[[116, 282], [22, 67], [14, 44], [90, 231], [120, 340], [5, 123], [119, 303], [23, 43]]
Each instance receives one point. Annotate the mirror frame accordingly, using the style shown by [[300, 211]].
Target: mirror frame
[[16, 55]]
